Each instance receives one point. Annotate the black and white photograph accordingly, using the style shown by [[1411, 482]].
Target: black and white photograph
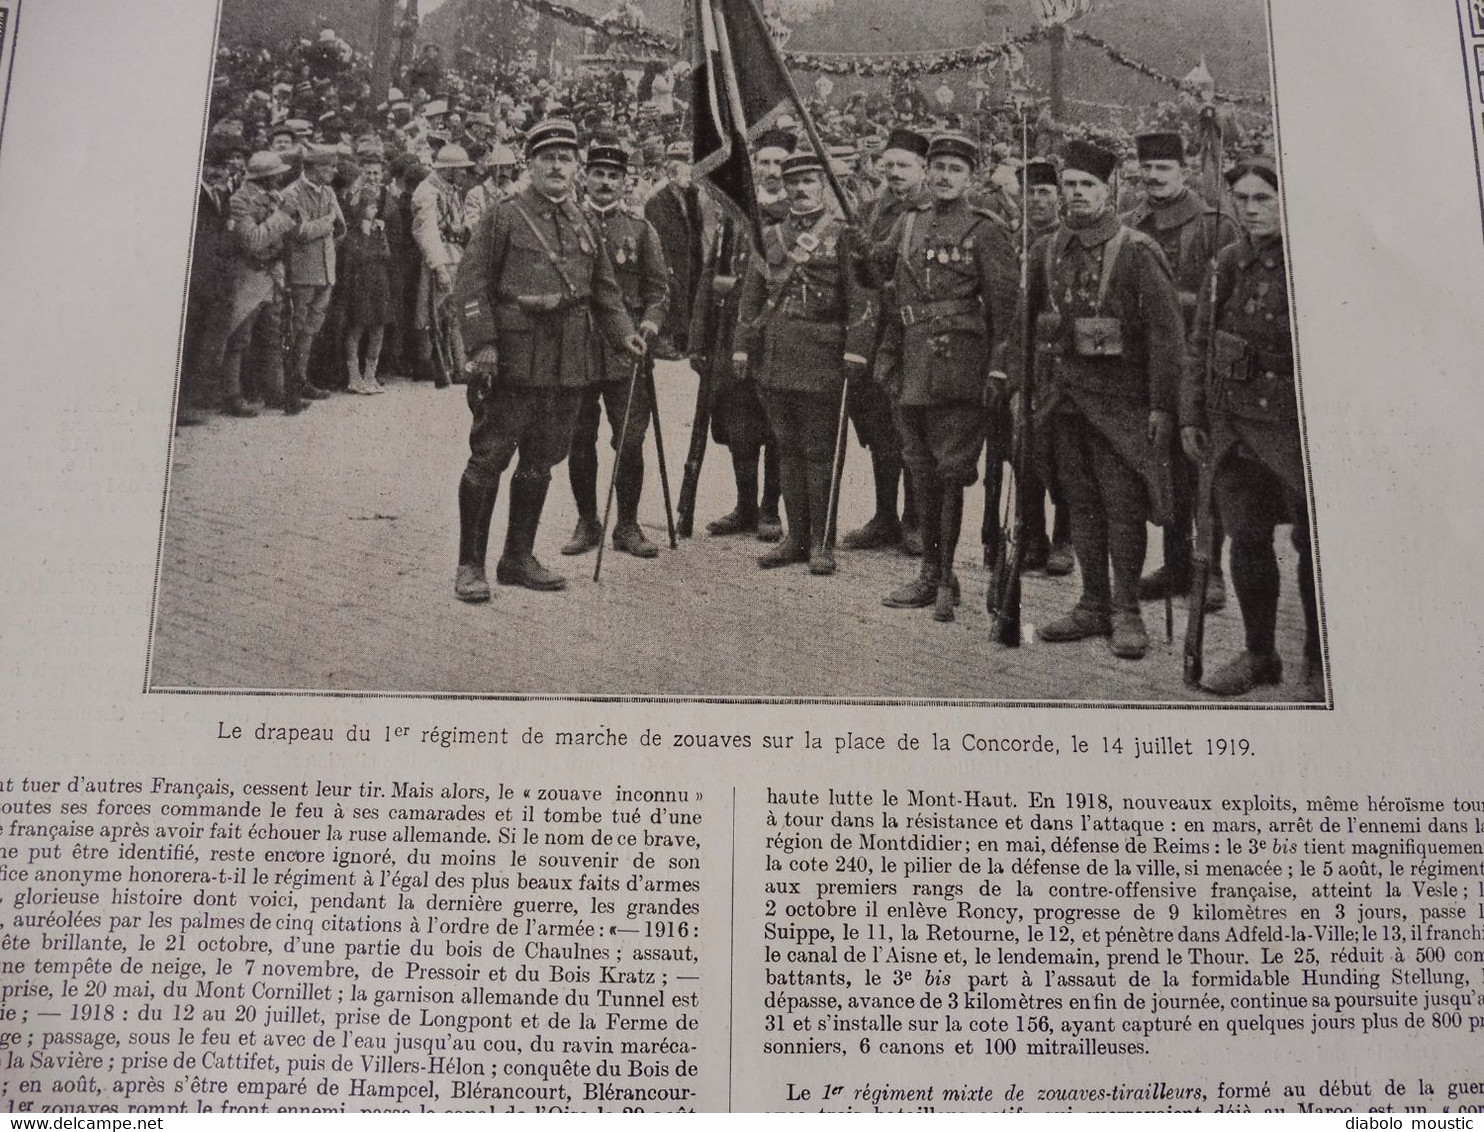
[[742, 350]]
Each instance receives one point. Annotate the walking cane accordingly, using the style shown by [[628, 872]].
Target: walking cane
[[659, 448], [623, 436]]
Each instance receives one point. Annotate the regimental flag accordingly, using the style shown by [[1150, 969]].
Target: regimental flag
[[740, 87]]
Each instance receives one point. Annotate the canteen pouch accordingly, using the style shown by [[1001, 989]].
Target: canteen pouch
[[1097, 336]]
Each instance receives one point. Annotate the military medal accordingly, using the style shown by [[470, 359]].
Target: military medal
[[943, 256], [621, 256], [957, 255], [804, 247]]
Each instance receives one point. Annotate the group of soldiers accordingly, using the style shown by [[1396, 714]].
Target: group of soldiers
[[1138, 368]]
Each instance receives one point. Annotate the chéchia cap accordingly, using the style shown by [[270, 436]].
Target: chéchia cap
[[1160, 147], [1088, 158], [909, 140], [549, 133], [1039, 171]]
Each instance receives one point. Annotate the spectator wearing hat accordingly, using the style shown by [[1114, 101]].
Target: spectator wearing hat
[[256, 234], [1110, 347], [1239, 416], [904, 163], [633, 246], [500, 172], [531, 292], [955, 283], [684, 220], [367, 285], [1190, 232], [440, 232], [311, 258], [208, 301], [810, 324]]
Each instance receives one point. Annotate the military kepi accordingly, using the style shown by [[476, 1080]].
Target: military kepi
[[608, 152], [801, 163], [1160, 147], [951, 143], [1088, 158], [549, 133], [1039, 172]]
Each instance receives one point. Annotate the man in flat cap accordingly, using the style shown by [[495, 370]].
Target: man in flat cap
[[440, 232], [810, 325], [1109, 344], [1239, 417], [1190, 232], [257, 229], [311, 258], [533, 288], [683, 219], [956, 285], [904, 165], [633, 246]]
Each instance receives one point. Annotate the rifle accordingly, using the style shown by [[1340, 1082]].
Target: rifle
[[1202, 550], [1004, 587], [685, 509]]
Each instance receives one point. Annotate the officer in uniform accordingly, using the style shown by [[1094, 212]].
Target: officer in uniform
[[1239, 419], [810, 324], [639, 264], [1190, 232], [533, 288], [256, 230], [1109, 344], [905, 163], [955, 299]]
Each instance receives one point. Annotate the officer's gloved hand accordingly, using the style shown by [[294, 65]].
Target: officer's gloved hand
[[637, 345], [649, 330], [444, 278], [482, 368], [1196, 442]]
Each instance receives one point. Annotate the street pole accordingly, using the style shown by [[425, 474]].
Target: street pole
[[384, 49], [1058, 65]]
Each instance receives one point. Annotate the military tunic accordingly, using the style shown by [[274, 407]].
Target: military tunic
[[633, 246], [534, 284], [955, 282], [1240, 387], [1109, 350], [802, 315]]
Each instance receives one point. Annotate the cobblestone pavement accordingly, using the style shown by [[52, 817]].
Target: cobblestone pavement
[[317, 553]]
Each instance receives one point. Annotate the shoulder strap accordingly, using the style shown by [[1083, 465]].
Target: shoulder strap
[[551, 257], [1110, 257]]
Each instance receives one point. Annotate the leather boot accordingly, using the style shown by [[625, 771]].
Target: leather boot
[[821, 543], [922, 591], [476, 506], [518, 566], [627, 535], [793, 547], [582, 472], [743, 519], [769, 529], [952, 511], [1247, 670], [911, 521], [883, 529]]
